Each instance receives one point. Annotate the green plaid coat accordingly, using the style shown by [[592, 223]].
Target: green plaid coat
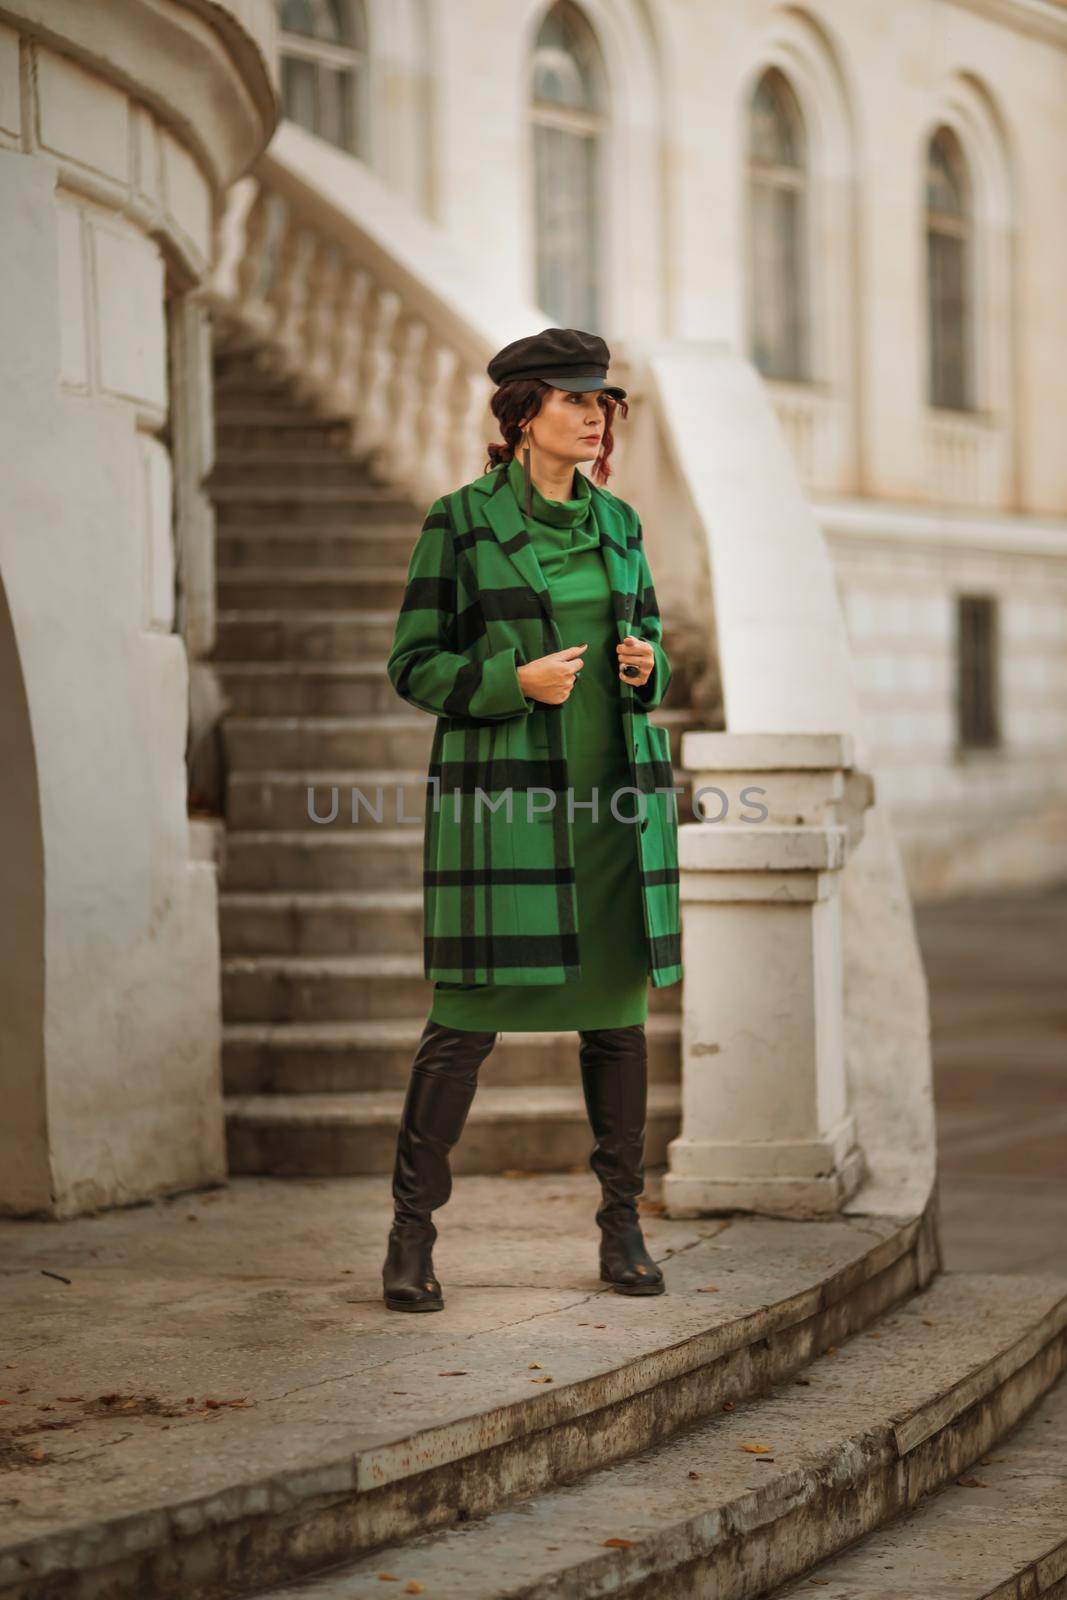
[[498, 880]]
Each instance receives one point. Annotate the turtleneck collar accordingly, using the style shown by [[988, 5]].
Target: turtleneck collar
[[553, 513]]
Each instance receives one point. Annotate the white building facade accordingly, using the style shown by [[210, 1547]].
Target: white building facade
[[865, 202]]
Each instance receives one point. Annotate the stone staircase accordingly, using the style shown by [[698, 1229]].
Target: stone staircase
[[320, 922]]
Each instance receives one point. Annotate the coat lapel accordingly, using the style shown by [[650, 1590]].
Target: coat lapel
[[506, 521], [621, 562], [505, 518]]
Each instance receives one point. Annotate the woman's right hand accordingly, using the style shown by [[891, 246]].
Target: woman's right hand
[[550, 679]]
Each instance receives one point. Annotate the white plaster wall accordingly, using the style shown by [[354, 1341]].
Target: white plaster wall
[[109, 987], [873, 81], [966, 819]]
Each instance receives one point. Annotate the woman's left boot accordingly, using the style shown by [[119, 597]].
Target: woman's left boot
[[614, 1063]]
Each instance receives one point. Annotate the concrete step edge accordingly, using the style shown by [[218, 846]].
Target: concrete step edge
[[399, 1030], [370, 1108], [303, 839], [654, 1393], [683, 1538], [309, 615], [298, 575], [374, 671]]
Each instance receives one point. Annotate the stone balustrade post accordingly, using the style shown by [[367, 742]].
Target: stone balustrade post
[[766, 1125]]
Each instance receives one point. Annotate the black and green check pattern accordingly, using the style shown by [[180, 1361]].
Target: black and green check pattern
[[499, 894]]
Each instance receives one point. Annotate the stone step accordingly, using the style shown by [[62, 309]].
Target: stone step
[[287, 470], [357, 923], [312, 635], [247, 424], [345, 988], [532, 1128], [998, 1533], [382, 544], [270, 744], [366, 798], [378, 858], [350, 1426], [249, 503], [234, 382], [260, 588], [750, 1498], [342, 1057], [302, 688]]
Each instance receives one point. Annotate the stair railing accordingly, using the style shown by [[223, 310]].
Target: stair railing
[[370, 311]]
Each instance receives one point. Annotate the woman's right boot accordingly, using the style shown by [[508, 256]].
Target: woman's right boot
[[444, 1077]]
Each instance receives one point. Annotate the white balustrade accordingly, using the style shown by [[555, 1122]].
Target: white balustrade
[[359, 333]]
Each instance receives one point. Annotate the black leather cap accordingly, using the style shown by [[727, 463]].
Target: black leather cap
[[566, 358]]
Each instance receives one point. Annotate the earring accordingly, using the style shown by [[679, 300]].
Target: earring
[[527, 480]]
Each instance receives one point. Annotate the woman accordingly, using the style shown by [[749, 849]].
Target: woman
[[529, 626]]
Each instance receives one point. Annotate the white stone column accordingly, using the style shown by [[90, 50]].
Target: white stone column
[[766, 1124], [122, 123]]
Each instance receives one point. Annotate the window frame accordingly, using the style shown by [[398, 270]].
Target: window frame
[[350, 59], [591, 123]]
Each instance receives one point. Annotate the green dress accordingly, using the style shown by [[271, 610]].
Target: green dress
[[613, 989]]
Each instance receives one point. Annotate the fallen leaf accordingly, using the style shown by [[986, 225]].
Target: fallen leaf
[[822, 1582], [831, 1349], [971, 1483], [927, 1323], [693, 1474], [540, 1380], [389, 1577], [70, 1397], [874, 1336], [755, 1449], [805, 1383], [599, 1324], [709, 1288], [535, 1366], [620, 1544], [412, 1587], [460, 1372], [729, 1405]]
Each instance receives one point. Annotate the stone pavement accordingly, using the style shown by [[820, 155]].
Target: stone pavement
[[997, 970], [206, 1338]]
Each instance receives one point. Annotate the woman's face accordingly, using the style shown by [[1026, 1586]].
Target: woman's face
[[570, 425]]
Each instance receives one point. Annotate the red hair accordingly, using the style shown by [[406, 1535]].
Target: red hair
[[518, 398]]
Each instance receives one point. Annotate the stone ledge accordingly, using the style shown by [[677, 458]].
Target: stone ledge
[[766, 752], [745, 1500], [352, 1430]]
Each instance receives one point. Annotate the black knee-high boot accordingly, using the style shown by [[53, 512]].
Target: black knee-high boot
[[614, 1064], [444, 1077]]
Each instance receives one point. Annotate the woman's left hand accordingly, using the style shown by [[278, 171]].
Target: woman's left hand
[[639, 657]]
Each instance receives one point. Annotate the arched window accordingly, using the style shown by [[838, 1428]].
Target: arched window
[[323, 50], [568, 122], [777, 245], [949, 236]]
